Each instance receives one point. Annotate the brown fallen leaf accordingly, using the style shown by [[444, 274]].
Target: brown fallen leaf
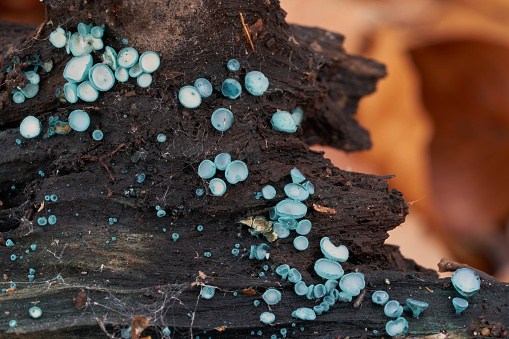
[[138, 325], [323, 209]]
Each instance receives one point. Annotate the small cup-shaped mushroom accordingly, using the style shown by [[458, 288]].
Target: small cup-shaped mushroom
[[325, 305], [298, 115], [309, 187], [161, 137], [149, 62], [30, 90], [393, 309], [352, 283], [256, 83], [222, 161], [294, 276], [77, 68], [217, 187], [416, 306], [318, 309], [287, 222], [328, 269], [42, 221], [301, 243], [58, 37], [331, 284], [18, 97], [281, 231], [222, 119], [233, 65], [189, 97], [296, 192], [35, 312], [87, 92], [303, 227], [319, 291], [231, 88], [291, 209], [236, 171], [466, 281], [97, 32], [268, 192], [121, 74], [207, 292], [267, 318], [109, 58], [396, 327], [300, 288], [78, 46], [9, 243], [84, 29], [101, 77], [207, 169], [344, 297], [52, 219], [79, 120], [304, 313], [32, 77], [97, 135], [282, 121], [144, 80], [380, 297], [71, 92], [283, 270], [261, 251], [297, 176], [204, 87], [30, 127], [127, 57], [460, 305], [330, 251], [272, 296], [135, 71], [329, 300]]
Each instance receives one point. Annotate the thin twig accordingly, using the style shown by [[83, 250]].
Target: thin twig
[[100, 159], [246, 32], [446, 265]]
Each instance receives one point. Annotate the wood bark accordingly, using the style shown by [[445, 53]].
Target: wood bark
[[143, 272]]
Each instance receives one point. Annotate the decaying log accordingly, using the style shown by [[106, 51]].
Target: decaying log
[[92, 277]]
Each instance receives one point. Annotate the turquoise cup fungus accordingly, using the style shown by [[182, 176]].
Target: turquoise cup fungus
[[303, 227], [35, 312], [331, 284], [319, 291], [291, 209], [328, 269], [318, 309], [127, 57], [161, 137], [460, 305], [416, 306], [30, 127], [267, 318], [380, 297], [352, 283], [222, 161], [344, 297], [207, 292], [71, 92], [144, 80], [32, 77], [337, 253], [466, 281], [13, 323], [109, 58], [325, 305], [300, 288], [101, 77], [288, 222], [53, 197], [149, 62], [77, 68], [121, 74], [30, 90], [217, 187], [281, 231], [204, 87], [310, 292], [256, 83], [294, 276], [166, 331], [304, 313], [393, 309], [301, 243], [175, 236], [18, 97], [135, 71], [9, 243], [396, 327], [282, 121], [222, 119], [126, 333], [268, 192], [189, 97], [97, 32], [78, 46], [79, 120], [261, 252], [87, 92], [297, 176], [329, 300], [84, 29], [97, 135], [296, 192], [233, 65], [58, 37], [206, 169], [231, 88], [52, 219], [283, 270], [272, 296], [236, 171], [309, 187], [298, 115]]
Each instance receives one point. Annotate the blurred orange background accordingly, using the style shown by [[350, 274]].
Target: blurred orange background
[[439, 121]]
